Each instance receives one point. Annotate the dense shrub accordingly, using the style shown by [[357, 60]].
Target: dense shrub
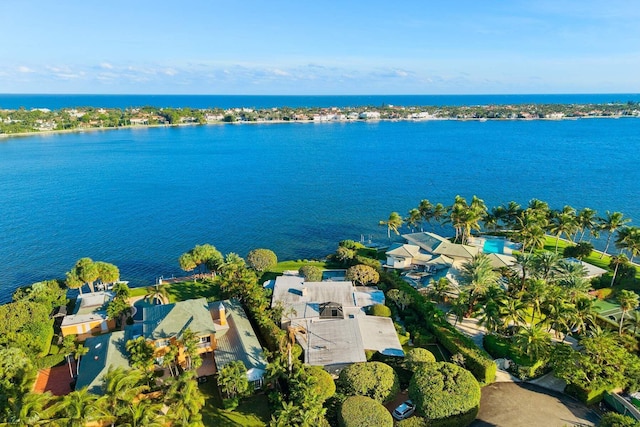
[[374, 379], [579, 250], [311, 273], [445, 394], [414, 421], [362, 275], [324, 386], [362, 411], [49, 361], [589, 397], [380, 310], [262, 259], [373, 263], [350, 244], [612, 419], [477, 361], [416, 357]]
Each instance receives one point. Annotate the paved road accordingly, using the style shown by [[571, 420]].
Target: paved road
[[526, 405]]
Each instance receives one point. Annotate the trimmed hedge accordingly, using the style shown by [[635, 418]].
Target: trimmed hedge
[[373, 379], [588, 397], [477, 361], [524, 367], [445, 394], [49, 361], [420, 311], [363, 411]]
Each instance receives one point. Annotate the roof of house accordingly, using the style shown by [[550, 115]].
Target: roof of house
[[590, 269], [406, 250], [292, 290], [105, 351], [331, 342], [379, 333], [89, 308], [367, 296], [500, 260], [238, 341], [435, 244], [171, 320], [427, 241]]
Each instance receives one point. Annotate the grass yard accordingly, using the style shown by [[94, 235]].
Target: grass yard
[[253, 411]]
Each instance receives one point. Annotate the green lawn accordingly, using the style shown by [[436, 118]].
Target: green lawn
[[253, 411], [594, 258]]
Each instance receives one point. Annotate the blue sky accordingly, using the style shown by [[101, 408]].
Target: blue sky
[[320, 47]]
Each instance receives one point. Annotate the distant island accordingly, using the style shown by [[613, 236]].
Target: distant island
[[39, 120]]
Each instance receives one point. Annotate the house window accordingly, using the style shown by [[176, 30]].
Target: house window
[[206, 339], [162, 343]]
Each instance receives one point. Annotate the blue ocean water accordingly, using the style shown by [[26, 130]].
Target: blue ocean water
[[140, 197], [14, 101]]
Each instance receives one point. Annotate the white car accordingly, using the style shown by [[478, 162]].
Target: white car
[[405, 410]]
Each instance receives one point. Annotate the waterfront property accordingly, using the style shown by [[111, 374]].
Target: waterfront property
[[331, 323], [89, 316], [105, 352]]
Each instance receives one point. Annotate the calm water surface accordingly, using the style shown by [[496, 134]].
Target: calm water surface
[[140, 197]]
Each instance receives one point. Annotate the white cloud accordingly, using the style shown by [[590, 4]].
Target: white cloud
[[106, 66], [25, 69]]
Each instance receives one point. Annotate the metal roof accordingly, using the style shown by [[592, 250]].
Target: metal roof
[[171, 320], [105, 351]]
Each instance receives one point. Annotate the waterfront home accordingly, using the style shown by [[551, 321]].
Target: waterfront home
[[106, 352], [165, 324], [89, 316], [331, 323], [236, 340]]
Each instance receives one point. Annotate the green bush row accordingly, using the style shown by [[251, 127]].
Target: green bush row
[[588, 397], [477, 361], [48, 361]]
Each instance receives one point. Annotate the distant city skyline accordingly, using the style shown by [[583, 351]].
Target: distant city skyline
[[320, 48]]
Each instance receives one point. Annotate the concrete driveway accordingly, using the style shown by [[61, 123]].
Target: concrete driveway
[[525, 405]]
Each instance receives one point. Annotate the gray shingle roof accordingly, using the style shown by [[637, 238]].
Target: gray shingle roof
[[171, 320], [104, 351], [238, 341]]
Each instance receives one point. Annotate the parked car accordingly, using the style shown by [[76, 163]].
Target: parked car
[[405, 410]]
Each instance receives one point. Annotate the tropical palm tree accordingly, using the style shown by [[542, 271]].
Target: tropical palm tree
[[535, 294], [511, 214], [290, 339], [145, 413], [563, 223], [585, 315], [439, 212], [610, 224], [629, 238], [393, 223], [628, 300], [632, 322], [80, 351], [489, 312], [512, 312], [30, 409], [616, 262], [158, 293], [413, 219], [184, 400], [169, 358], [587, 221], [425, 208], [533, 341], [546, 264], [439, 289], [189, 344], [77, 408], [121, 387], [476, 276]]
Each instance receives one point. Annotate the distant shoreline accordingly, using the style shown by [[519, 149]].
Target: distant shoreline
[[261, 122]]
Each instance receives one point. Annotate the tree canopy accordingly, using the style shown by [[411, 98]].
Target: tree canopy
[[262, 259], [311, 273], [363, 411], [374, 379], [362, 275], [443, 390]]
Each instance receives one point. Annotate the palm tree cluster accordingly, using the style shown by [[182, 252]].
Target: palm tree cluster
[[544, 294], [127, 399], [527, 225]]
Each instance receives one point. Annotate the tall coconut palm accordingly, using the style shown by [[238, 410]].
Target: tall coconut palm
[[587, 221], [616, 262], [439, 212], [535, 295], [184, 400], [585, 315], [393, 223], [563, 223], [77, 408], [488, 312], [30, 409], [80, 351], [425, 208], [629, 238], [290, 341], [611, 223], [546, 264], [628, 300], [413, 219], [476, 277], [533, 341], [157, 294], [512, 312], [632, 322], [189, 343], [512, 212], [121, 387]]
